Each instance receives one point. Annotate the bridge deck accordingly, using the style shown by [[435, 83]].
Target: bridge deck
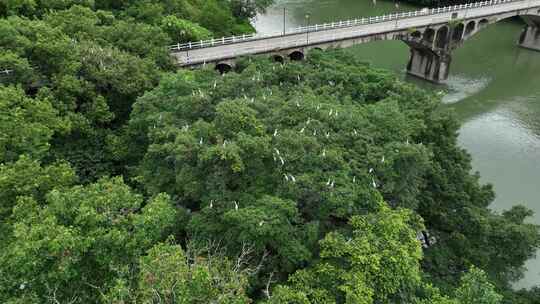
[[319, 34]]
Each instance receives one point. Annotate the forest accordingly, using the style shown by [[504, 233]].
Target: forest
[[327, 180]]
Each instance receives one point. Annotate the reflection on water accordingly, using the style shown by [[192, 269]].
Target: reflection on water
[[494, 88]]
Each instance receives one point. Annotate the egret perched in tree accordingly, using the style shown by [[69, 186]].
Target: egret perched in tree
[[224, 143], [324, 152], [370, 170], [282, 161], [261, 223], [302, 131], [275, 132], [201, 141], [328, 182], [277, 151], [354, 179], [235, 206], [332, 184], [314, 132], [327, 134], [215, 84], [293, 179], [355, 132], [373, 183], [298, 77], [330, 113], [211, 204], [297, 104], [286, 177], [382, 159], [308, 121]]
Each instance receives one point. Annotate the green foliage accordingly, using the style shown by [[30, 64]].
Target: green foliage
[[26, 125], [377, 262], [183, 30], [168, 274], [310, 177], [79, 240], [476, 289]]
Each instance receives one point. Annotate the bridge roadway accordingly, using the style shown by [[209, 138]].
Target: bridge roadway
[[431, 60]]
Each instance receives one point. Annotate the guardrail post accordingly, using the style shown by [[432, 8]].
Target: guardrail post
[[190, 44]]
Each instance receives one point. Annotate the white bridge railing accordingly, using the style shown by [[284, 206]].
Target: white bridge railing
[[333, 25]]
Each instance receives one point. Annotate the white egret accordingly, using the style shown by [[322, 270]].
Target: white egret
[[354, 179], [293, 179], [261, 223], [370, 170], [332, 184], [382, 159], [282, 161], [328, 182], [215, 84], [275, 132], [286, 177], [302, 131], [277, 151], [201, 141], [235, 206], [330, 113], [373, 183], [211, 204], [324, 152]]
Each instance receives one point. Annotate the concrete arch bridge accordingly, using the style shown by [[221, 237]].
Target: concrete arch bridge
[[431, 34]]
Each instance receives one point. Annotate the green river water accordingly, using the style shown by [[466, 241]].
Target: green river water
[[494, 87]]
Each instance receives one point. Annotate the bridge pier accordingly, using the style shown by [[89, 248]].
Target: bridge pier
[[530, 38], [429, 65]]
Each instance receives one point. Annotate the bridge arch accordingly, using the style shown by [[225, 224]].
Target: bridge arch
[[223, 67], [457, 33], [416, 34], [296, 55], [483, 23], [469, 29], [429, 35], [278, 58], [442, 37]]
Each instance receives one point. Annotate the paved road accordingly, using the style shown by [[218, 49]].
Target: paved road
[[353, 29]]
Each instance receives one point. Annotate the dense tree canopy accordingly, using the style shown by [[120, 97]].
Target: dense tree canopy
[[124, 181]]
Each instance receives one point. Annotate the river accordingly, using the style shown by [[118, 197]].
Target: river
[[494, 87]]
